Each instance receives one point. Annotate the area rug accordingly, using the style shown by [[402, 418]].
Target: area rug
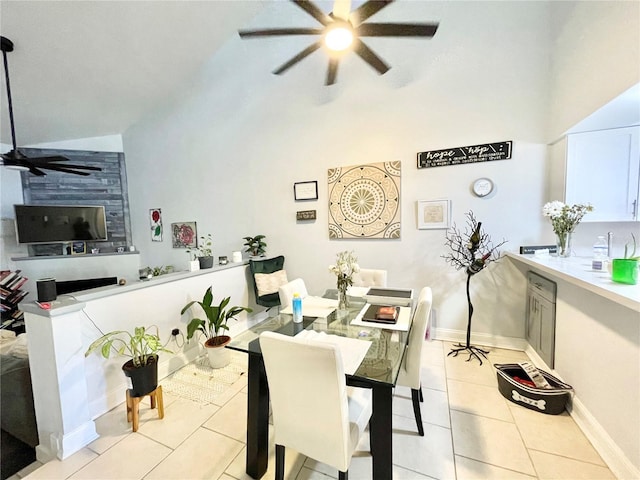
[[199, 382]]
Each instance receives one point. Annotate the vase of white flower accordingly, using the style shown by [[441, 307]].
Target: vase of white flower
[[346, 265], [564, 219]]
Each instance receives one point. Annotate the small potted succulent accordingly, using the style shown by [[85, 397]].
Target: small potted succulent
[[217, 317], [203, 252], [255, 246], [625, 270], [142, 347]]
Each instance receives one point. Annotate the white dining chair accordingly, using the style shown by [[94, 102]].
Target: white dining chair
[[409, 374], [314, 411], [287, 290], [368, 277]]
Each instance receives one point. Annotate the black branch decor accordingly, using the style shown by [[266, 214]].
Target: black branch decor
[[471, 250]]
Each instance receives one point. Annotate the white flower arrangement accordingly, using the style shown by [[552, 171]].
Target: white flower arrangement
[[346, 265], [565, 218]]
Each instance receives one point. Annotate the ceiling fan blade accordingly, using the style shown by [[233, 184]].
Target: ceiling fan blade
[[314, 11], [269, 32], [341, 9], [304, 53], [397, 29], [332, 71], [46, 165], [36, 171], [41, 161], [58, 168], [369, 56], [366, 10]]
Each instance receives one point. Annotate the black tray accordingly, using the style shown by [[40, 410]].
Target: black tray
[[551, 401]]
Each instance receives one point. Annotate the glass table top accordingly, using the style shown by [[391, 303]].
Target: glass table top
[[382, 361]]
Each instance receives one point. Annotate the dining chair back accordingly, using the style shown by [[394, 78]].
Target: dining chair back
[[314, 412], [368, 277], [270, 273], [287, 290], [409, 374]]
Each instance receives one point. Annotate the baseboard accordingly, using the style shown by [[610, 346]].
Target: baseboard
[[485, 339], [615, 458]]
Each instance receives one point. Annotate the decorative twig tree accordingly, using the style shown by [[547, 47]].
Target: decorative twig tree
[[472, 250]]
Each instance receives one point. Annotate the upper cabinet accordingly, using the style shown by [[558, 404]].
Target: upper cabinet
[[603, 168]]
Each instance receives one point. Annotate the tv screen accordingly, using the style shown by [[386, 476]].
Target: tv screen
[[59, 223]]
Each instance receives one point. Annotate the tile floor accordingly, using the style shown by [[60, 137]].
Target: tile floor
[[471, 432]]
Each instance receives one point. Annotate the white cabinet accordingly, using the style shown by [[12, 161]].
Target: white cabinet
[[603, 168], [541, 317]]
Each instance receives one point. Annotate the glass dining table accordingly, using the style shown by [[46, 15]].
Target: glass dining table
[[378, 371]]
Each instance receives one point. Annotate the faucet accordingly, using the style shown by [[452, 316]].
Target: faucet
[[610, 244]]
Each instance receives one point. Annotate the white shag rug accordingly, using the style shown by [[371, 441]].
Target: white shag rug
[[199, 382]]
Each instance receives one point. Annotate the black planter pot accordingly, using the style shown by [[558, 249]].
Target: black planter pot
[[143, 379], [205, 262]]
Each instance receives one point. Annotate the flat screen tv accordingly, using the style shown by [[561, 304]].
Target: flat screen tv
[[59, 223]]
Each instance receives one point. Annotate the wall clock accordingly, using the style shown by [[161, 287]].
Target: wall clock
[[482, 187]]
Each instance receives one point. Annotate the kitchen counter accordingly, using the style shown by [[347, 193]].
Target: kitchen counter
[[578, 271]]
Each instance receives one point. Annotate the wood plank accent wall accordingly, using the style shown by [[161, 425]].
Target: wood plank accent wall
[[107, 188]]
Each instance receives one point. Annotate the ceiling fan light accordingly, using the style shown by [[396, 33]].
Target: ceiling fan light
[[338, 39]]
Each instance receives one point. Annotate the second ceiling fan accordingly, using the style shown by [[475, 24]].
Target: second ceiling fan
[[341, 29]]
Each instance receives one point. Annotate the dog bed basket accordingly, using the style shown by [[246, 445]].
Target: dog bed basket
[[551, 401]]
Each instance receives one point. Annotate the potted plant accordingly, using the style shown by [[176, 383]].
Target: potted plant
[[625, 270], [217, 317], [256, 246], [202, 252], [142, 346]]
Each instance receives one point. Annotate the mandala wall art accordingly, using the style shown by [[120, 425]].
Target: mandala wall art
[[364, 201]]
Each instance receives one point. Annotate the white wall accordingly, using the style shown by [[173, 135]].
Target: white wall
[[228, 154], [595, 58]]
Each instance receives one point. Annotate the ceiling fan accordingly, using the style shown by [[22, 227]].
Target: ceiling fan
[[19, 161], [342, 29]]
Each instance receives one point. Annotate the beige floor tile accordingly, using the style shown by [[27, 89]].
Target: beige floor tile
[[435, 458], [181, 419], [26, 471], [112, 428], [458, 368], [468, 469], [556, 434], [58, 470], [434, 377], [226, 477], [434, 408], [293, 462], [489, 441], [229, 419], [132, 458], [556, 467], [478, 400], [204, 455]]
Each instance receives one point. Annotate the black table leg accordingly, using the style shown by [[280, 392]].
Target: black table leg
[[380, 429], [257, 418]]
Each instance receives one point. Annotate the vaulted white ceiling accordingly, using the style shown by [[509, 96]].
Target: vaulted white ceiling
[[91, 68]]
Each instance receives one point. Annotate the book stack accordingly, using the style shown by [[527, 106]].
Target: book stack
[[381, 314], [10, 296]]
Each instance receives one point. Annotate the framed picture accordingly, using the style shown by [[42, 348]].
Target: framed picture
[[433, 214], [155, 219], [78, 248], [184, 235], [305, 190]]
